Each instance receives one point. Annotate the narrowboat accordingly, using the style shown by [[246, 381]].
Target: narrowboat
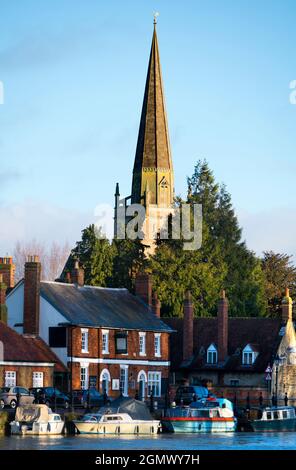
[[273, 419], [201, 417], [115, 423], [36, 420]]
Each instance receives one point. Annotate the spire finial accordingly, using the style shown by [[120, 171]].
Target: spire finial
[[155, 16]]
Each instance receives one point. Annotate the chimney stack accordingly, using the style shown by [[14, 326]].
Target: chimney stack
[[188, 327], [143, 287], [156, 305], [222, 321], [32, 295], [78, 275], [3, 307], [287, 306], [7, 268]]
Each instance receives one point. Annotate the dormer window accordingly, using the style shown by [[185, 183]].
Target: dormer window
[[249, 355], [212, 354]]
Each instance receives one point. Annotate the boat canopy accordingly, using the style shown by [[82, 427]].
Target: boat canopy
[[135, 408], [30, 413]]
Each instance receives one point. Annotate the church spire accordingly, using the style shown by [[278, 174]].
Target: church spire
[[153, 163]]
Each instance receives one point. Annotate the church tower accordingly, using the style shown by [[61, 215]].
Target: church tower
[[153, 163], [153, 178]]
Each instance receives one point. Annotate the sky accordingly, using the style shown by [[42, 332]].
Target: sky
[[73, 73]]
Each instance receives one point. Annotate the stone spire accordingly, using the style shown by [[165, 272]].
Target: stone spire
[[153, 163]]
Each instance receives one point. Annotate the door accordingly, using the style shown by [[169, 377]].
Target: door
[[142, 383]]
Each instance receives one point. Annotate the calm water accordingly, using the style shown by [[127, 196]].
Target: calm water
[[244, 441]]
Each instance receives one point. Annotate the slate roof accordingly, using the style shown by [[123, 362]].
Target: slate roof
[[25, 348], [262, 332], [101, 307]]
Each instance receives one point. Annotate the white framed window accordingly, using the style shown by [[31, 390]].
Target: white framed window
[[212, 354], [142, 344], [154, 384], [157, 345], [84, 340], [84, 377], [123, 380], [10, 378], [105, 341], [37, 379], [249, 355]]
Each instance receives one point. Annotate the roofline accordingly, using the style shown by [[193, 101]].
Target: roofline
[[83, 325]]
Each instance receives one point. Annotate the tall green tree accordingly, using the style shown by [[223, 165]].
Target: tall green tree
[[279, 272], [95, 255], [129, 258]]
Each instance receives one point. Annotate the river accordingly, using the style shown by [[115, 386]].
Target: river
[[227, 441]]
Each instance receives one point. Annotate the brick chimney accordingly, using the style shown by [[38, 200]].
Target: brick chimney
[[222, 323], [7, 268], [32, 295], [287, 306], [188, 327], [77, 275], [3, 307], [156, 305], [143, 287]]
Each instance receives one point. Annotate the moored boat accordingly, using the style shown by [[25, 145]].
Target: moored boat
[[36, 420], [201, 417], [115, 423], [282, 418]]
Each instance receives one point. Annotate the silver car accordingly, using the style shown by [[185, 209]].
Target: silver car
[[12, 396]]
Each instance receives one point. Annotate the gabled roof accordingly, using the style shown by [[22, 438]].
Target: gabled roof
[[262, 332], [25, 348], [101, 307]]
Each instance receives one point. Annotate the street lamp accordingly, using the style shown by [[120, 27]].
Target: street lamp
[[276, 362]]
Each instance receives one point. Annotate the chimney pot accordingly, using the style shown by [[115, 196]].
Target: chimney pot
[[78, 275], [287, 307], [188, 327], [32, 295], [156, 305], [222, 324], [143, 287]]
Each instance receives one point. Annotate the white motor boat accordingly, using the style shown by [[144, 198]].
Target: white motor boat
[[36, 420], [115, 423]]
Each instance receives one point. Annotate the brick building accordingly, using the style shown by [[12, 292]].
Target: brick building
[[107, 338], [229, 355], [25, 360]]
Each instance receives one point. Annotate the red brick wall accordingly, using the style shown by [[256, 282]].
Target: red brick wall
[[24, 375], [95, 352]]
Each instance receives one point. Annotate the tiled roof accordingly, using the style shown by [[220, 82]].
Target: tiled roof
[[25, 348], [262, 332], [101, 307]]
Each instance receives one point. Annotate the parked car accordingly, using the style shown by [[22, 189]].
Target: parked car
[[88, 398], [50, 396], [12, 396], [189, 393]]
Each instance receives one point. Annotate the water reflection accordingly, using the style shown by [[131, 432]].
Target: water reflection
[[245, 441]]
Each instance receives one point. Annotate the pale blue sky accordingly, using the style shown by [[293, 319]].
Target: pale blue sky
[[74, 74]]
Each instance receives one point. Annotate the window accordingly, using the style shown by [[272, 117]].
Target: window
[[249, 355], [121, 343], [142, 344], [234, 382], [157, 345], [57, 337], [212, 355], [105, 342], [123, 381], [84, 340], [154, 384], [84, 378], [10, 378], [37, 379]]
